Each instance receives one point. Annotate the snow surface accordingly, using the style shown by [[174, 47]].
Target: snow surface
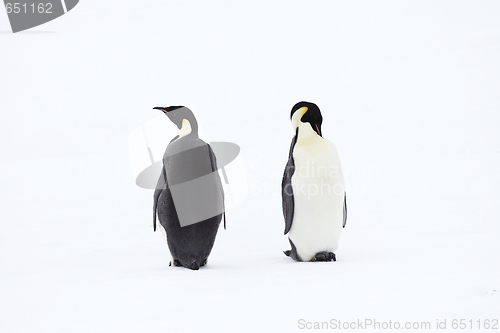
[[410, 95]]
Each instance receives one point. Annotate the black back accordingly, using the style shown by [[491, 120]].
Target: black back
[[190, 245]]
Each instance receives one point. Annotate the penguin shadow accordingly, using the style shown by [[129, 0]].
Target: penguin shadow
[[166, 267], [288, 261]]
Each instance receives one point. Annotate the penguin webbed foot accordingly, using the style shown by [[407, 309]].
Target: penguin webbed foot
[[324, 256], [176, 263], [194, 266]]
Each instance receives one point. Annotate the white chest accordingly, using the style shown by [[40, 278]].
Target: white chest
[[318, 190], [317, 166]]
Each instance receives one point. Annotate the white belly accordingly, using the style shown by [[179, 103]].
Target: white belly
[[318, 192]]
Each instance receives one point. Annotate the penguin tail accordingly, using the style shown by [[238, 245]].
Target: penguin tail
[[293, 252], [194, 266]]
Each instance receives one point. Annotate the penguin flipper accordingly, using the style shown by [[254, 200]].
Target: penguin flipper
[[345, 211], [287, 196], [286, 188], [160, 186], [213, 162]]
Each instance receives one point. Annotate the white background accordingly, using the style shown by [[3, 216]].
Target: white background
[[410, 94]]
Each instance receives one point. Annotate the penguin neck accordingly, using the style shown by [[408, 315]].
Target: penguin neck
[[306, 133], [188, 128]]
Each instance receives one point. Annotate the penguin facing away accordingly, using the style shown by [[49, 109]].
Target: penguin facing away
[[189, 199], [313, 193]]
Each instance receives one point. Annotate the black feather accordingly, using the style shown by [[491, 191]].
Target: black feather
[[286, 187]]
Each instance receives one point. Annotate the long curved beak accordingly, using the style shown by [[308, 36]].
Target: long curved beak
[[160, 108]]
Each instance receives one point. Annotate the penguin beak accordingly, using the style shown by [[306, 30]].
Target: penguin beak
[[317, 130], [160, 108]]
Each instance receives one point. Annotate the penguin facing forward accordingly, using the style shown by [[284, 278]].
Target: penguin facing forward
[[313, 193], [188, 199]]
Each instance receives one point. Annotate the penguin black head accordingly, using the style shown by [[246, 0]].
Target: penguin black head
[[182, 117], [305, 112]]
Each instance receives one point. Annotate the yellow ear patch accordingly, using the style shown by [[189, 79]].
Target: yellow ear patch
[[302, 111], [297, 115], [185, 128]]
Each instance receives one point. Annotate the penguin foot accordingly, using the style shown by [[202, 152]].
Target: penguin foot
[[194, 266], [176, 263], [324, 256]]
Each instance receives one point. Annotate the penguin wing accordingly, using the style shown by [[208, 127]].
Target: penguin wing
[[345, 211], [286, 188], [213, 162], [160, 186]]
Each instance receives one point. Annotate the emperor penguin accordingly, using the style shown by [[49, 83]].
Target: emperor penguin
[[189, 198], [313, 193]]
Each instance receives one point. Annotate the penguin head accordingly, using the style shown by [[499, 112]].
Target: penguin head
[[183, 118], [305, 117]]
